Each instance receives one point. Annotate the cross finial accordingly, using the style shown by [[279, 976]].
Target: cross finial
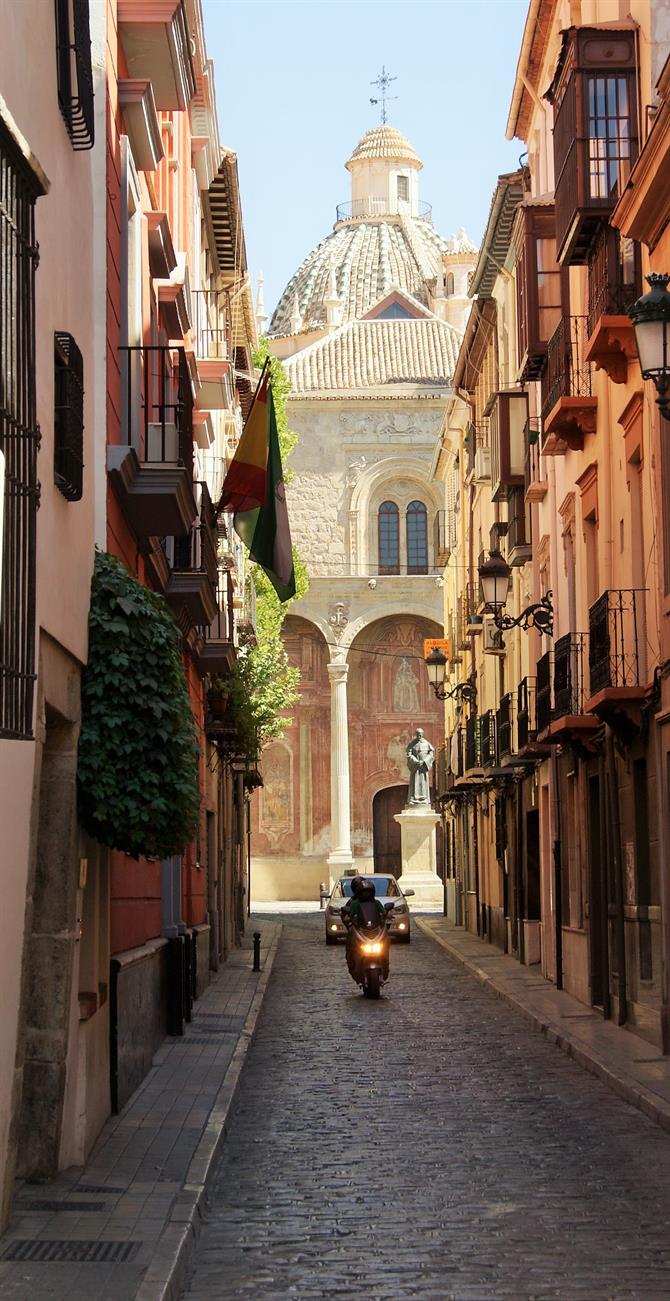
[[383, 81]]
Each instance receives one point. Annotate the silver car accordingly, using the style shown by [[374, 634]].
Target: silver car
[[386, 889]]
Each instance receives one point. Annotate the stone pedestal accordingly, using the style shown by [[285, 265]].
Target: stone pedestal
[[417, 851]]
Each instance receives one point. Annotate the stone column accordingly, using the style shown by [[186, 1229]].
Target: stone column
[[340, 857]]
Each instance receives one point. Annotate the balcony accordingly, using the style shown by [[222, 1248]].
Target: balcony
[[504, 727], [488, 748], [595, 132], [568, 408], [538, 285], [213, 343], [509, 414], [357, 209], [477, 452], [616, 656], [216, 649], [561, 712], [519, 549], [151, 471], [443, 536], [614, 283], [157, 47], [535, 479], [473, 758], [192, 585]]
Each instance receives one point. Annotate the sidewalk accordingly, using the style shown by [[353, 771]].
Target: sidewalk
[[629, 1065], [124, 1226]]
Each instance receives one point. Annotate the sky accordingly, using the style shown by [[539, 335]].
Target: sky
[[293, 97]]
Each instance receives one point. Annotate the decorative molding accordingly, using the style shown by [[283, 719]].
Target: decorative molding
[[136, 98]]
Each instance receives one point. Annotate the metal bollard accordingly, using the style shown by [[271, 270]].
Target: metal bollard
[[257, 951], [323, 893]]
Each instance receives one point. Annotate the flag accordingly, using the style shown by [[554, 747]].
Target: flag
[[254, 490]]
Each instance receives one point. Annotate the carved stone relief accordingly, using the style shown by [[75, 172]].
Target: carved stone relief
[[276, 794]]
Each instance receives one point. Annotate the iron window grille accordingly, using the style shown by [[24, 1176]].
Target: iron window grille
[[389, 538], [74, 71], [19, 440], [68, 417], [416, 525]]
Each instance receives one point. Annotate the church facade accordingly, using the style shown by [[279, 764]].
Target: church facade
[[368, 328]]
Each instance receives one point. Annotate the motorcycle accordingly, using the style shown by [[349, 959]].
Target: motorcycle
[[368, 947]]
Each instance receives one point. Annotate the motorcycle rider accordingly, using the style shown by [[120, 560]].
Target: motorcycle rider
[[365, 908]]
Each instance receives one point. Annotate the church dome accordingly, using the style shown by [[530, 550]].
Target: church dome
[[368, 257]]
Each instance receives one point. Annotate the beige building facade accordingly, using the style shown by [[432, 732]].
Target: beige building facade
[[368, 329], [552, 790]]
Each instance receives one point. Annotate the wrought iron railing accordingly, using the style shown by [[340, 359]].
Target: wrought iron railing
[[567, 374], [74, 71], [533, 465], [472, 743], [197, 550], [380, 207], [222, 626], [158, 404], [569, 675], [615, 640], [19, 439], [504, 720], [517, 533], [211, 326], [543, 692], [487, 739], [526, 722], [68, 417], [614, 280]]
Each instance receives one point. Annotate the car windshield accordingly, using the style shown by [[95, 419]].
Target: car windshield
[[385, 886]]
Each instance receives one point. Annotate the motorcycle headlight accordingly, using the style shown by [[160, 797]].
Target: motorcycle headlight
[[373, 950]]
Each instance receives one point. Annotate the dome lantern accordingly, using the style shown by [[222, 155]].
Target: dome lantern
[[384, 175]]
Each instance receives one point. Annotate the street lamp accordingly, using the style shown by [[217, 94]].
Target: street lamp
[[651, 321], [495, 577], [436, 664]]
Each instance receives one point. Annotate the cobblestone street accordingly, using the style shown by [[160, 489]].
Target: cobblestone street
[[429, 1145]]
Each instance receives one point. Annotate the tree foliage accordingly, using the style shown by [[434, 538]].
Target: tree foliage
[[263, 684], [138, 748]]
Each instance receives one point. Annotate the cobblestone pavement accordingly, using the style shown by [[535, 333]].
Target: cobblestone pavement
[[429, 1145]]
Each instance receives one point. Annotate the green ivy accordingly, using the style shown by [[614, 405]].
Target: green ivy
[[138, 749], [263, 685]]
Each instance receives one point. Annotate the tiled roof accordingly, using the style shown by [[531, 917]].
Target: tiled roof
[[372, 354], [384, 142], [369, 257]]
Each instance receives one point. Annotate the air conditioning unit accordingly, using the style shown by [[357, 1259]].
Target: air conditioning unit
[[492, 636], [482, 464]]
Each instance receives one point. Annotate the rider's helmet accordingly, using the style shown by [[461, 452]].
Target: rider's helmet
[[357, 884], [367, 890]]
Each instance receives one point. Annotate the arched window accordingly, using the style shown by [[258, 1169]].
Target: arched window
[[389, 538], [417, 538], [449, 284]]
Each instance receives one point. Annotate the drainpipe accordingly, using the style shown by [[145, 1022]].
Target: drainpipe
[[617, 868], [558, 894], [604, 889], [664, 886]]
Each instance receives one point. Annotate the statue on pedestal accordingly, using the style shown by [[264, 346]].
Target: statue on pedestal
[[420, 757]]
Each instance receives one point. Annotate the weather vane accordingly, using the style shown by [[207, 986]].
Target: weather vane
[[384, 81]]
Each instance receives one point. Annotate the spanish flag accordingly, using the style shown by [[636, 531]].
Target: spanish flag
[[254, 490]]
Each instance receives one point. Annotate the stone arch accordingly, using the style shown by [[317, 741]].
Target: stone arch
[[397, 479], [388, 697]]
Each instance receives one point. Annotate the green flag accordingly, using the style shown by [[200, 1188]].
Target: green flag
[[266, 529]]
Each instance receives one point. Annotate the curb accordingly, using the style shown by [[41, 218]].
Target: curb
[[653, 1106], [166, 1271]]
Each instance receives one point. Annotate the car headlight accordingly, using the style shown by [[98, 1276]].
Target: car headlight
[[400, 908], [402, 926]]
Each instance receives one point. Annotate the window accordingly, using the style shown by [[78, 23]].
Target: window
[[403, 188], [389, 538], [609, 135], [68, 417], [19, 188], [74, 72], [449, 284], [417, 538]]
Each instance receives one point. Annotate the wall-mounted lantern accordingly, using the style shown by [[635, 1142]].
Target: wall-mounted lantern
[[651, 321]]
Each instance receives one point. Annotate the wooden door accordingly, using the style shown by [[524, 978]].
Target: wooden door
[[385, 830]]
